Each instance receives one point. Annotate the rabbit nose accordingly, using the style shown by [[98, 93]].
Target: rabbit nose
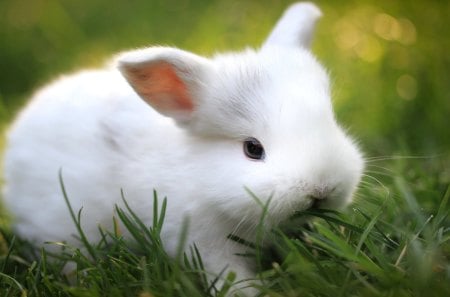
[[318, 196], [320, 193]]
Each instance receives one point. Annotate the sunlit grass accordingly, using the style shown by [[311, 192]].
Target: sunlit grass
[[393, 241]]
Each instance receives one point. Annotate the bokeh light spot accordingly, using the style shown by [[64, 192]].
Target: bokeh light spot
[[346, 35], [409, 34], [387, 27], [369, 49], [407, 87], [390, 28]]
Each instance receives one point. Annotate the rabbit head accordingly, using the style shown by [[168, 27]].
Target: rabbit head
[[257, 119]]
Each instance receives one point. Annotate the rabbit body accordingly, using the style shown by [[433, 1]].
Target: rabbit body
[[167, 120]]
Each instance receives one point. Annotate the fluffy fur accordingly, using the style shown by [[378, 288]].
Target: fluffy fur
[[170, 120]]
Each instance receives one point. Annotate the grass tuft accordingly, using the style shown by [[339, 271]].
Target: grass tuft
[[391, 242]]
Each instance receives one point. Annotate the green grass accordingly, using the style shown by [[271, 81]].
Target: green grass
[[394, 240]]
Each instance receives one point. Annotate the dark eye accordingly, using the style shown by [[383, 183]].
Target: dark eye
[[253, 149]]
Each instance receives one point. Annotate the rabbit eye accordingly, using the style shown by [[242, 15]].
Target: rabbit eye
[[253, 149]]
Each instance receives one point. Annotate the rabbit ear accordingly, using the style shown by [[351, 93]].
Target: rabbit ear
[[296, 26], [166, 78]]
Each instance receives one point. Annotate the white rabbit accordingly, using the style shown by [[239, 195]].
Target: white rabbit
[[198, 130]]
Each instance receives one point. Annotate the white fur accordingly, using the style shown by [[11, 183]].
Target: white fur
[[94, 127], [296, 26]]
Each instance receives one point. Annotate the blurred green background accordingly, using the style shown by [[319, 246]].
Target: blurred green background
[[389, 60]]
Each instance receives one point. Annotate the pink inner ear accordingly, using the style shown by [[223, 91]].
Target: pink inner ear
[[161, 87]]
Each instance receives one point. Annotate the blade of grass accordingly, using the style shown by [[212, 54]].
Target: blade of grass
[[76, 219], [15, 282], [8, 254], [296, 245], [405, 248], [341, 248], [322, 213]]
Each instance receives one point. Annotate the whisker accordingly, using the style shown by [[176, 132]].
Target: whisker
[[378, 182], [358, 196], [381, 167], [380, 172], [239, 225], [383, 158], [363, 182]]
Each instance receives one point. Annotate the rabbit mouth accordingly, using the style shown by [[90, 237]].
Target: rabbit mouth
[[283, 208], [316, 203], [289, 205]]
